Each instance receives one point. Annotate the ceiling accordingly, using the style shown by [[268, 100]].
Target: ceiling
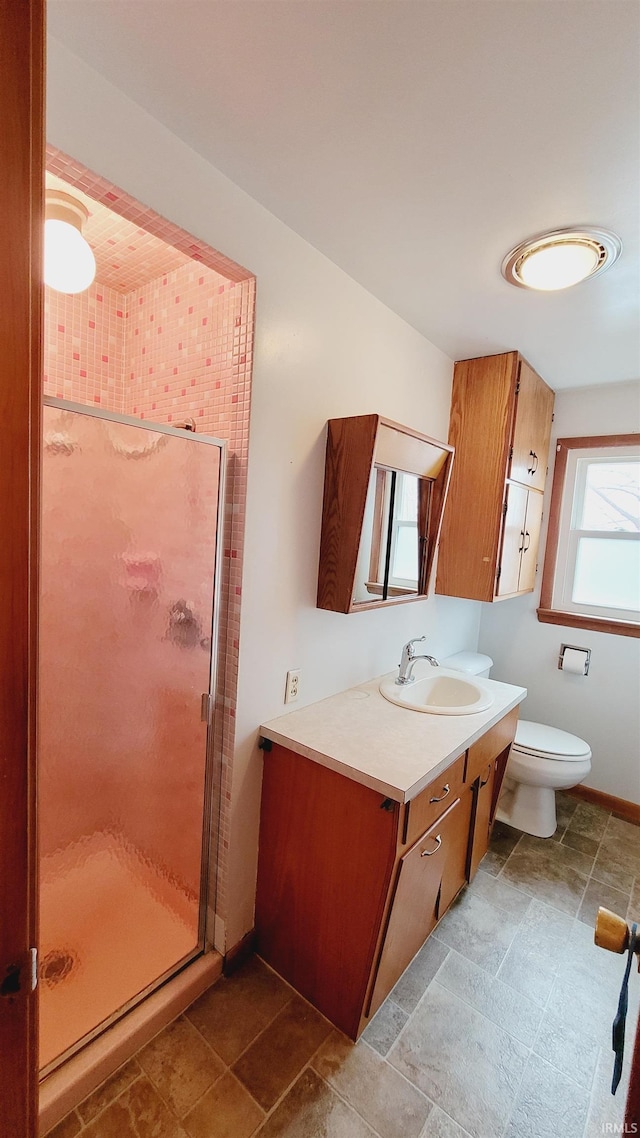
[[413, 142]]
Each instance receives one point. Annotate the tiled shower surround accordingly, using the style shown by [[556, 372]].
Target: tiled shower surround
[[176, 347]]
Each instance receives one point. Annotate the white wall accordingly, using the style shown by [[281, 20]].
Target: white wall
[[324, 348], [603, 707]]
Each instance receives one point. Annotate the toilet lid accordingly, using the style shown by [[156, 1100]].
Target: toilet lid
[[539, 739]]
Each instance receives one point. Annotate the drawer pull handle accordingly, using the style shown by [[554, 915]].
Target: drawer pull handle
[[484, 781], [430, 853], [446, 791]]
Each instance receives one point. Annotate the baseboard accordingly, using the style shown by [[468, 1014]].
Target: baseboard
[[240, 953], [630, 811]]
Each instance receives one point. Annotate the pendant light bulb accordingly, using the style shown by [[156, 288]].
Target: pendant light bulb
[[69, 263]]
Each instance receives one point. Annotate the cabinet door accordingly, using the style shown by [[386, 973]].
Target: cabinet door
[[454, 873], [481, 822], [413, 912], [532, 429], [532, 524], [513, 539]]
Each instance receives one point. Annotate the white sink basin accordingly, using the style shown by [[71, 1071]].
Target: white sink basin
[[440, 692]]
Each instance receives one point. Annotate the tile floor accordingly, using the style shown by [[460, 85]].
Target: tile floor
[[499, 1028]]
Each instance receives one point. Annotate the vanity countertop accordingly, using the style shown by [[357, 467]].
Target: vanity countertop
[[391, 749]]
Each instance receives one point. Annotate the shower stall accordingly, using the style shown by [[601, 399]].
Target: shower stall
[[131, 539]]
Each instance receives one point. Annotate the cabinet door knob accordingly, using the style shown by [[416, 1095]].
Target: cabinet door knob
[[446, 791], [430, 853]]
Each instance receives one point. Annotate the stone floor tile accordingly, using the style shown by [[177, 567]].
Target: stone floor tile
[[181, 1065], [478, 930], [277, 1056], [589, 820], [550, 871], [500, 894], [567, 1048], [501, 1004], [598, 894], [139, 1112], [415, 980], [391, 1105], [237, 1008], [532, 962], [579, 842], [492, 863], [548, 1104], [312, 1110], [627, 832], [385, 1026], [606, 1111], [439, 1125], [612, 872], [465, 1064], [68, 1128], [226, 1111], [110, 1089], [565, 809], [504, 839]]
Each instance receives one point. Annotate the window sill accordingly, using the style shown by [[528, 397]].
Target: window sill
[[594, 623]]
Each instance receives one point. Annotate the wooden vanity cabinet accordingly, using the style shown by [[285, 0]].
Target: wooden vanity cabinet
[[500, 426], [351, 883]]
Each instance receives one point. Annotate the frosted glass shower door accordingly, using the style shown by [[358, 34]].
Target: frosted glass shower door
[[129, 546]]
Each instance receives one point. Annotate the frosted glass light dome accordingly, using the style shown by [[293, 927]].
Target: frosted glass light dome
[[69, 263], [560, 259]]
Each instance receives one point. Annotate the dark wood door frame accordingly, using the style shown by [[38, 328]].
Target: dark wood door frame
[[21, 207]]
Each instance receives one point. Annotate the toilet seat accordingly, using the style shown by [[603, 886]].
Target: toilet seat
[[549, 743]]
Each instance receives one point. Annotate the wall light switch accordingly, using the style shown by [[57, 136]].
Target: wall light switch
[[293, 684]]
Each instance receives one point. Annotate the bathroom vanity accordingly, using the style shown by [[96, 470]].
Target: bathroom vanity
[[373, 818]]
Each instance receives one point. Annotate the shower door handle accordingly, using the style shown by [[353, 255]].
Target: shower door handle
[[205, 708]]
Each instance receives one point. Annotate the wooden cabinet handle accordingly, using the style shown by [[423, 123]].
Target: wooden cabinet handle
[[430, 853], [446, 791], [612, 932]]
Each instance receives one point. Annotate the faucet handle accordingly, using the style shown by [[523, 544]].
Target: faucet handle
[[410, 643]]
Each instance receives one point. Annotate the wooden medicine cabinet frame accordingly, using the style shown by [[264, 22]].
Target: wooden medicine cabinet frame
[[360, 450]]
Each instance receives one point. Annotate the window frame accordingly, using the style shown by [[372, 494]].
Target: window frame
[[546, 612]]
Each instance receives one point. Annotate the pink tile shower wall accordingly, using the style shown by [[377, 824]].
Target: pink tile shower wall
[[84, 346], [189, 343], [209, 380]]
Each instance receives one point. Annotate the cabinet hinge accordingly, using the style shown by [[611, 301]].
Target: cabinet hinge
[[510, 452], [518, 387], [504, 508], [498, 572]]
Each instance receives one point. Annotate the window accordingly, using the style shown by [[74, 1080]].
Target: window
[[591, 573]]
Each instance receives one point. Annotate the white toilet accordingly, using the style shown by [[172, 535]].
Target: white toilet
[[542, 760]]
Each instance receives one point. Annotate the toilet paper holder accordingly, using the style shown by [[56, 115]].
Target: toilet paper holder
[[575, 648]]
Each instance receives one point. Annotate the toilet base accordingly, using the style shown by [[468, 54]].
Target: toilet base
[[531, 809]]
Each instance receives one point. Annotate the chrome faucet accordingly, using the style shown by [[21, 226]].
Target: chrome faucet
[[405, 667]]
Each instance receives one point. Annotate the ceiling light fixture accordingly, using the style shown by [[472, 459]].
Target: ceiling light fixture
[[69, 263], [561, 258]]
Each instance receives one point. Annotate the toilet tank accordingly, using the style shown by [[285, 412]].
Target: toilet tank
[[474, 663]]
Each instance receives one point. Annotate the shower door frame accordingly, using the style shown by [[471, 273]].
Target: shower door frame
[[213, 763]]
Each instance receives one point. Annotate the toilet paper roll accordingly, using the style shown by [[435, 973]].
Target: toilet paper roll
[[575, 660]]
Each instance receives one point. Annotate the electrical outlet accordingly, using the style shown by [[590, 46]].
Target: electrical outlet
[[293, 684]]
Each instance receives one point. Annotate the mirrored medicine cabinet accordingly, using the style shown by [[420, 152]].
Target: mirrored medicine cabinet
[[384, 494]]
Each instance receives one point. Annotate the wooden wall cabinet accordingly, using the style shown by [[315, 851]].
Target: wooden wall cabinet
[[501, 413], [350, 884], [384, 493]]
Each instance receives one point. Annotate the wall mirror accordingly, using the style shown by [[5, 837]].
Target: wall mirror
[[385, 489]]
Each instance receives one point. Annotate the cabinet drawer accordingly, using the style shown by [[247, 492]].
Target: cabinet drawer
[[492, 744], [427, 806]]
